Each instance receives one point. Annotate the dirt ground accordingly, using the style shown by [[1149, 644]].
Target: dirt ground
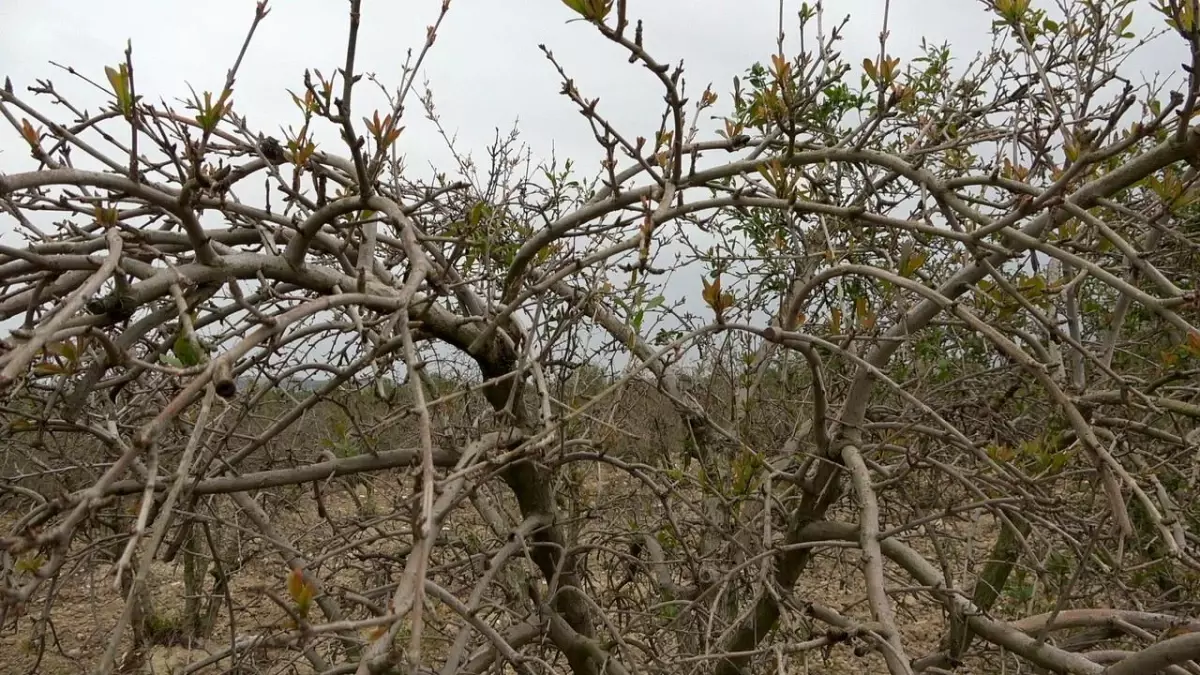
[[88, 606]]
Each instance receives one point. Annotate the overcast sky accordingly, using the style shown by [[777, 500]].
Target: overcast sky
[[486, 70]]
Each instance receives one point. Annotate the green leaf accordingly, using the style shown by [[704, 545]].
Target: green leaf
[[1128, 19], [638, 317], [301, 590], [869, 69], [189, 352], [119, 79], [595, 10], [909, 265], [478, 213], [30, 563]]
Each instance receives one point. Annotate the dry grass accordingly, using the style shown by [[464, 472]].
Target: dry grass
[[602, 507]]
